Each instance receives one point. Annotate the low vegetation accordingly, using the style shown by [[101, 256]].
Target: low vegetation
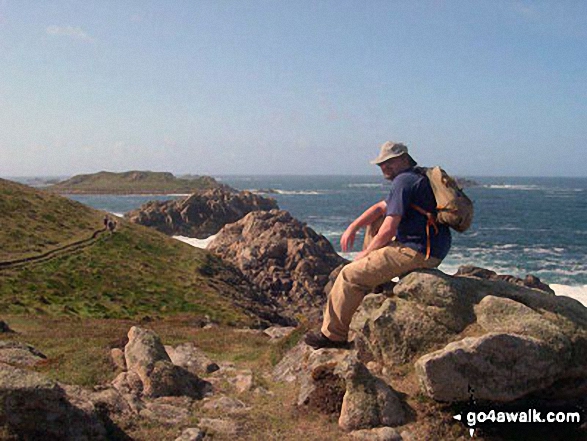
[[34, 222], [78, 351], [132, 272]]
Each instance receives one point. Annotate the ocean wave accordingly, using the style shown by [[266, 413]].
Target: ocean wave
[[505, 246], [364, 185], [287, 192], [565, 190], [501, 228], [559, 196], [349, 256], [336, 234], [449, 268], [333, 219], [578, 292], [574, 271], [501, 266], [300, 192], [482, 250], [557, 191], [197, 243], [544, 251], [528, 187]]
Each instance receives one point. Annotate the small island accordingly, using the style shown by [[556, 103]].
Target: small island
[[466, 182], [134, 182]]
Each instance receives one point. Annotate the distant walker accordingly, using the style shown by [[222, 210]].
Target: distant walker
[[111, 225]]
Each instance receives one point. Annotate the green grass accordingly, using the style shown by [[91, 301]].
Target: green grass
[[78, 353], [77, 350], [34, 222], [134, 272]]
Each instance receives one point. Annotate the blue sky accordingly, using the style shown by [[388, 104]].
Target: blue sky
[[292, 87]]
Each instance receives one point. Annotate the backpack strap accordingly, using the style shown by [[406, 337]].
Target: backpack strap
[[430, 223]]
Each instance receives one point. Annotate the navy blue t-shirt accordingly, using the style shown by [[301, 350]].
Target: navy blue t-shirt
[[411, 187]]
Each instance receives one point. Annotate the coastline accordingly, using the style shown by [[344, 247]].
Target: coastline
[[129, 193], [577, 292], [500, 239]]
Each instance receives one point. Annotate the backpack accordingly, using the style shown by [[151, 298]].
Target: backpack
[[453, 206]]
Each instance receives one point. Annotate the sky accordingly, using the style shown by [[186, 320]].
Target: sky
[[292, 87]]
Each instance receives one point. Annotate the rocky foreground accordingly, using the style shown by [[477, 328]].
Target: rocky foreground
[[423, 349], [432, 337], [458, 337]]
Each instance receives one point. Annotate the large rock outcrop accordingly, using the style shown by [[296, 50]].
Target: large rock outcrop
[[473, 335], [282, 256], [502, 340], [200, 215]]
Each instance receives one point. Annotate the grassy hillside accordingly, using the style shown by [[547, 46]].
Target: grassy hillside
[[136, 182], [34, 222], [133, 272]]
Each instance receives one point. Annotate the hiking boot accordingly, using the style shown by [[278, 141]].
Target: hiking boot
[[317, 340]]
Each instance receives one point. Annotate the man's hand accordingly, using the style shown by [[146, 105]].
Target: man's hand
[[348, 239], [361, 255], [385, 234]]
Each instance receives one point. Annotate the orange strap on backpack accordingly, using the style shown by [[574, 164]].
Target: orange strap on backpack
[[430, 222]]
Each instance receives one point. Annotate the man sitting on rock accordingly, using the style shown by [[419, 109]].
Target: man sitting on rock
[[399, 247]]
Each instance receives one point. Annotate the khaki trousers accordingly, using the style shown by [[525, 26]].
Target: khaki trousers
[[358, 278]]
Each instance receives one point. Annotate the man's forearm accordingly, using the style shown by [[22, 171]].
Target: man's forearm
[[369, 216], [385, 234], [379, 241]]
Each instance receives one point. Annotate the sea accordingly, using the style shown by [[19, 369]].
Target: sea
[[522, 225]]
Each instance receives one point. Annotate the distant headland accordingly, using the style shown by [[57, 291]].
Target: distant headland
[[134, 182]]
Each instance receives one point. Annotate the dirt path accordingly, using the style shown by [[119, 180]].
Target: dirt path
[[56, 252]]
